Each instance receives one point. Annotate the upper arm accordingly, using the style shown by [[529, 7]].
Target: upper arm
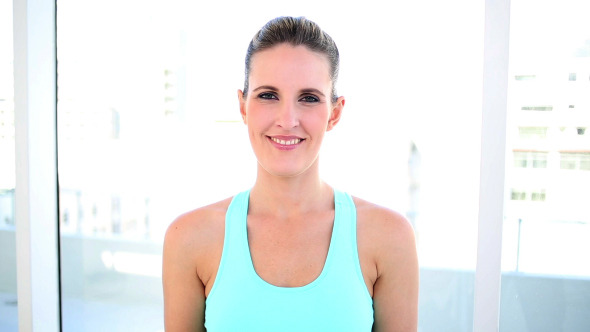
[[395, 289], [184, 293]]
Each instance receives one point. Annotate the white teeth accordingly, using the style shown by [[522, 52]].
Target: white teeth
[[289, 142]]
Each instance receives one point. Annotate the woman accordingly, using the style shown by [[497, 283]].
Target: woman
[[291, 253]]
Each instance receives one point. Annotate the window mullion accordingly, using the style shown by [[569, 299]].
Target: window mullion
[[493, 146], [36, 171]]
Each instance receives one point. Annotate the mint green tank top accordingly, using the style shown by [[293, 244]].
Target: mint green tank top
[[338, 300]]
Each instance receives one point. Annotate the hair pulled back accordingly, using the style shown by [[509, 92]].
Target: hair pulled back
[[294, 31]]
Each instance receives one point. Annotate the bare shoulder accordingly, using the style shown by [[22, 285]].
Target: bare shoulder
[[192, 249], [386, 240], [198, 224], [384, 227], [387, 251], [195, 239]]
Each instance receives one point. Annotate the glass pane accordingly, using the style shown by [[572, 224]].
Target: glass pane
[[8, 300], [149, 128], [117, 73], [546, 275]]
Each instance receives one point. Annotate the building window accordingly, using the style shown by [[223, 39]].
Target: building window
[[537, 108], [532, 132], [538, 196], [530, 159], [572, 76], [575, 160], [581, 130], [568, 161], [525, 77], [518, 195], [539, 159], [520, 159]]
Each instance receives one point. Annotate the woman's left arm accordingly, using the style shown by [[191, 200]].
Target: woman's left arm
[[395, 290]]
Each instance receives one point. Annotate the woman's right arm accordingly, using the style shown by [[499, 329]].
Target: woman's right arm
[[184, 292]]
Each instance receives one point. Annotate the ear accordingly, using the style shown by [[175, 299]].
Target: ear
[[242, 101], [336, 113]]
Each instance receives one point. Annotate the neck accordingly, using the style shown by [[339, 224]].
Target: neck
[[284, 197]]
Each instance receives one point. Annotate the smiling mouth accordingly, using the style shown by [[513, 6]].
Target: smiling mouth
[[286, 142]]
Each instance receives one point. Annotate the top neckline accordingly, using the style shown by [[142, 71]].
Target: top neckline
[[329, 258]]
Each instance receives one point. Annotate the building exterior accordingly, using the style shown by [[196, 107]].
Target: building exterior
[[548, 163]]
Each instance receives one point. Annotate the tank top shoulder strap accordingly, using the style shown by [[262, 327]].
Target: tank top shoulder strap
[[233, 256], [347, 217]]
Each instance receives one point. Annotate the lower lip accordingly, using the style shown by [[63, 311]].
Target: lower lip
[[283, 146]]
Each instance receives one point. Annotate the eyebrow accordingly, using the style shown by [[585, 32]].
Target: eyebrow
[[312, 90], [265, 87], [308, 90]]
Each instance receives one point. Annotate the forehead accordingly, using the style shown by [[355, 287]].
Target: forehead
[[285, 63]]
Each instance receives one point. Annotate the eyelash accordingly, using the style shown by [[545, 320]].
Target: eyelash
[[267, 95], [306, 99], [272, 96]]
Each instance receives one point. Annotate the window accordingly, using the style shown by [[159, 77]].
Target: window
[[520, 159], [575, 160], [538, 195], [540, 160], [568, 161], [537, 108], [530, 159], [532, 132], [139, 106], [527, 195], [545, 280], [572, 76], [518, 195]]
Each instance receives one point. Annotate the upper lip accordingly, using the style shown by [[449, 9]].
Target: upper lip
[[285, 137]]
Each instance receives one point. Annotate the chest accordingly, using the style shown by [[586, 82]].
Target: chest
[[289, 254], [314, 265]]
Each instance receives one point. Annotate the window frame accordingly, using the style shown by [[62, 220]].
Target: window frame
[[486, 311], [36, 208]]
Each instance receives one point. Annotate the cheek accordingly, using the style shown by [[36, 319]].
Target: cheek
[[319, 120], [257, 122]]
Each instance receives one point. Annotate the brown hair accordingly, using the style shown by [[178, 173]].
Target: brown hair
[[295, 31]]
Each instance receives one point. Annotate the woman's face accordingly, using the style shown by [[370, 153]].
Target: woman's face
[[288, 108]]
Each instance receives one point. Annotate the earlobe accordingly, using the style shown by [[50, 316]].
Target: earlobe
[[242, 102], [336, 113]]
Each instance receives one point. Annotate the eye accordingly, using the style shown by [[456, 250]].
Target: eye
[[267, 95], [309, 99]]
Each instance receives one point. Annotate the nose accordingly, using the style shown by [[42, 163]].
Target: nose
[[287, 116]]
